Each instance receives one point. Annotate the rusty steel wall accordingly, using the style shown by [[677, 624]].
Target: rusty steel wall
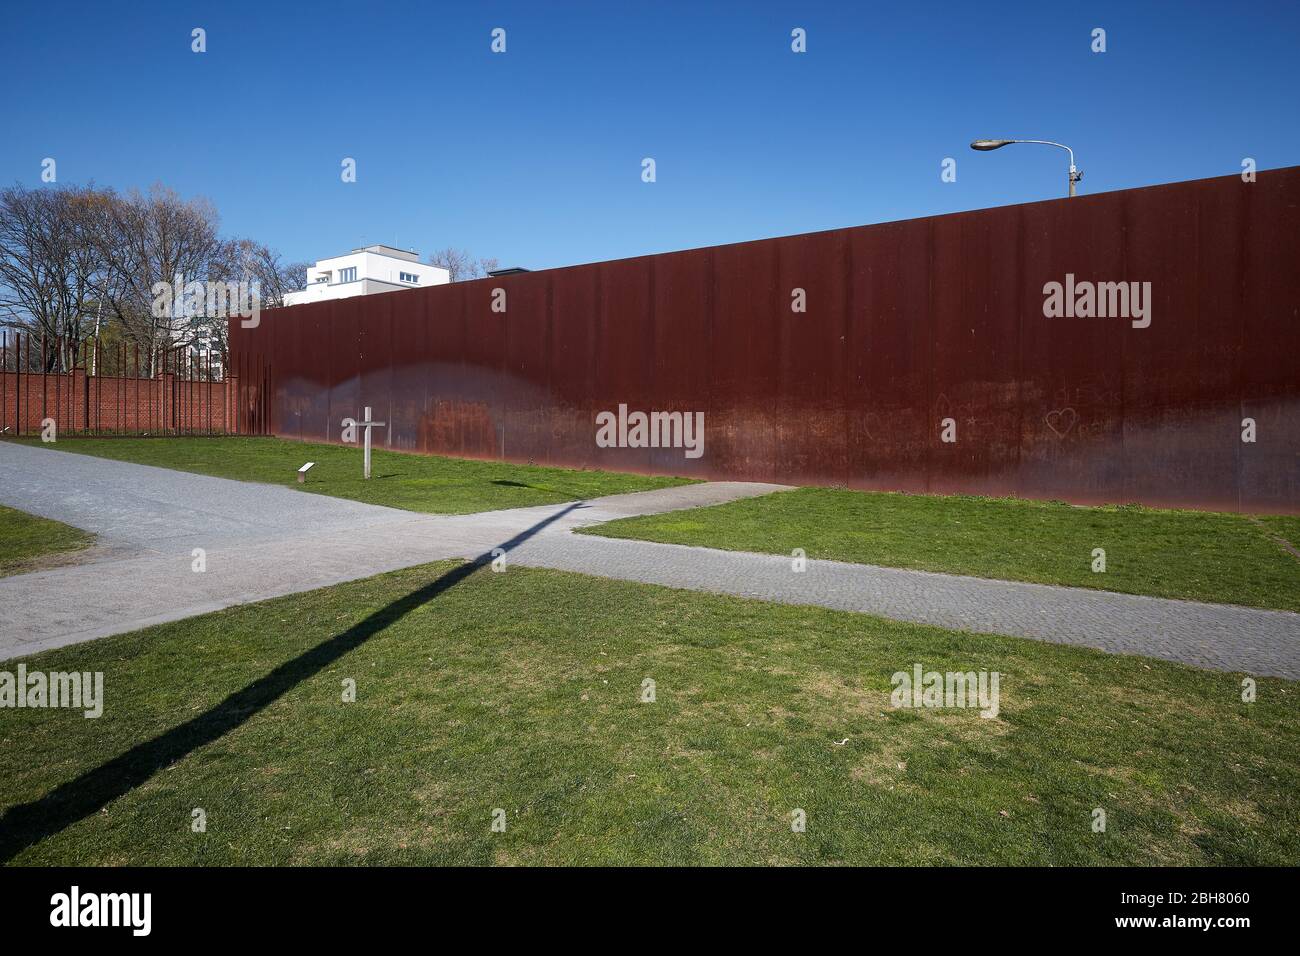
[[907, 324]]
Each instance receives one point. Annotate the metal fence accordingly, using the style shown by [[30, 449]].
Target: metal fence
[[90, 388]]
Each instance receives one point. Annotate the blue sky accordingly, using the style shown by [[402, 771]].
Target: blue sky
[[534, 156]]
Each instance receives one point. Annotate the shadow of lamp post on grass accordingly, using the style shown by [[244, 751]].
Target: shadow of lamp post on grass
[[25, 825]]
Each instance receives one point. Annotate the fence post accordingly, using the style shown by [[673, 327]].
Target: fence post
[[23, 382], [20, 384], [45, 385]]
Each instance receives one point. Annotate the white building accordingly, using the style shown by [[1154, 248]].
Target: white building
[[366, 271]]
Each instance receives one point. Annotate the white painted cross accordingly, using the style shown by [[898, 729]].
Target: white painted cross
[[367, 425], [349, 434]]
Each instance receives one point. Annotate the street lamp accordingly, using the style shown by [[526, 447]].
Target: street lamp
[[986, 145]]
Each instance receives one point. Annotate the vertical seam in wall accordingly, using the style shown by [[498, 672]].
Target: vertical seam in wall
[[1125, 464], [596, 318], [1239, 376], [1019, 480], [504, 370], [844, 384], [776, 410], [550, 366], [652, 313], [463, 347], [388, 429], [427, 379], [930, 410], [327, 338], [710, 306]]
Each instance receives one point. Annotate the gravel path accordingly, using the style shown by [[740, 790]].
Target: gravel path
[[263, 541], [158, 509]]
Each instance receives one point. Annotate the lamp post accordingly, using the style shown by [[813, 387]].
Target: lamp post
[[987, 145]]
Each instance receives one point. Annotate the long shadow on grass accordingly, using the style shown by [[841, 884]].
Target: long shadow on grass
[[27, 824]]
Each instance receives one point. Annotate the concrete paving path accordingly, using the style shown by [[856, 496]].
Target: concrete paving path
[[263, 541]]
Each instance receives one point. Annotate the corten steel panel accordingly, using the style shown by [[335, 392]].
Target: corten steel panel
[[297, 384], [907, 323], [376, 367], [973, 329], [451, 411], [251, 351], [812, 410], [624, 343], [1180, 431], [1269, 315], [889, 345], [486, 377], [575, 297], [411, 371], [1070, 369], [741, 436], [315, 344], [344, 366], [682, 347], [525, 410]]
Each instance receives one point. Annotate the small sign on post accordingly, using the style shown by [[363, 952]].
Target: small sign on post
[[302, 472]]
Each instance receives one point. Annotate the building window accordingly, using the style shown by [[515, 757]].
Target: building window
[[348, 275], [409, 277]]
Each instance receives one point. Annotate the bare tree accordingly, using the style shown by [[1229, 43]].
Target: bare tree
[[80, 263], [460, 264], [50, 272], [247, 261], [275, 277], [157, 246]]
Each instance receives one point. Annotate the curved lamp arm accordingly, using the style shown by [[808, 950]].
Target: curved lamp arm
[[1048, 142], [985, 145]]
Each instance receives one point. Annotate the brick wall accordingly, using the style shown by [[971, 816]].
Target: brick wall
[[103, 404]]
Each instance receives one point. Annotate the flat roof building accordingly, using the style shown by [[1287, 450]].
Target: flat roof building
[[365, 271]]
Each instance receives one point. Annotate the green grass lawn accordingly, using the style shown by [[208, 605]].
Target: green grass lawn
[[28, 543], [1286, 527], [414, 482], [520, 691], [1202, 556]]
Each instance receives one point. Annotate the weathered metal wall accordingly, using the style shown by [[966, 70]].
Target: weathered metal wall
[[907, 324]]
